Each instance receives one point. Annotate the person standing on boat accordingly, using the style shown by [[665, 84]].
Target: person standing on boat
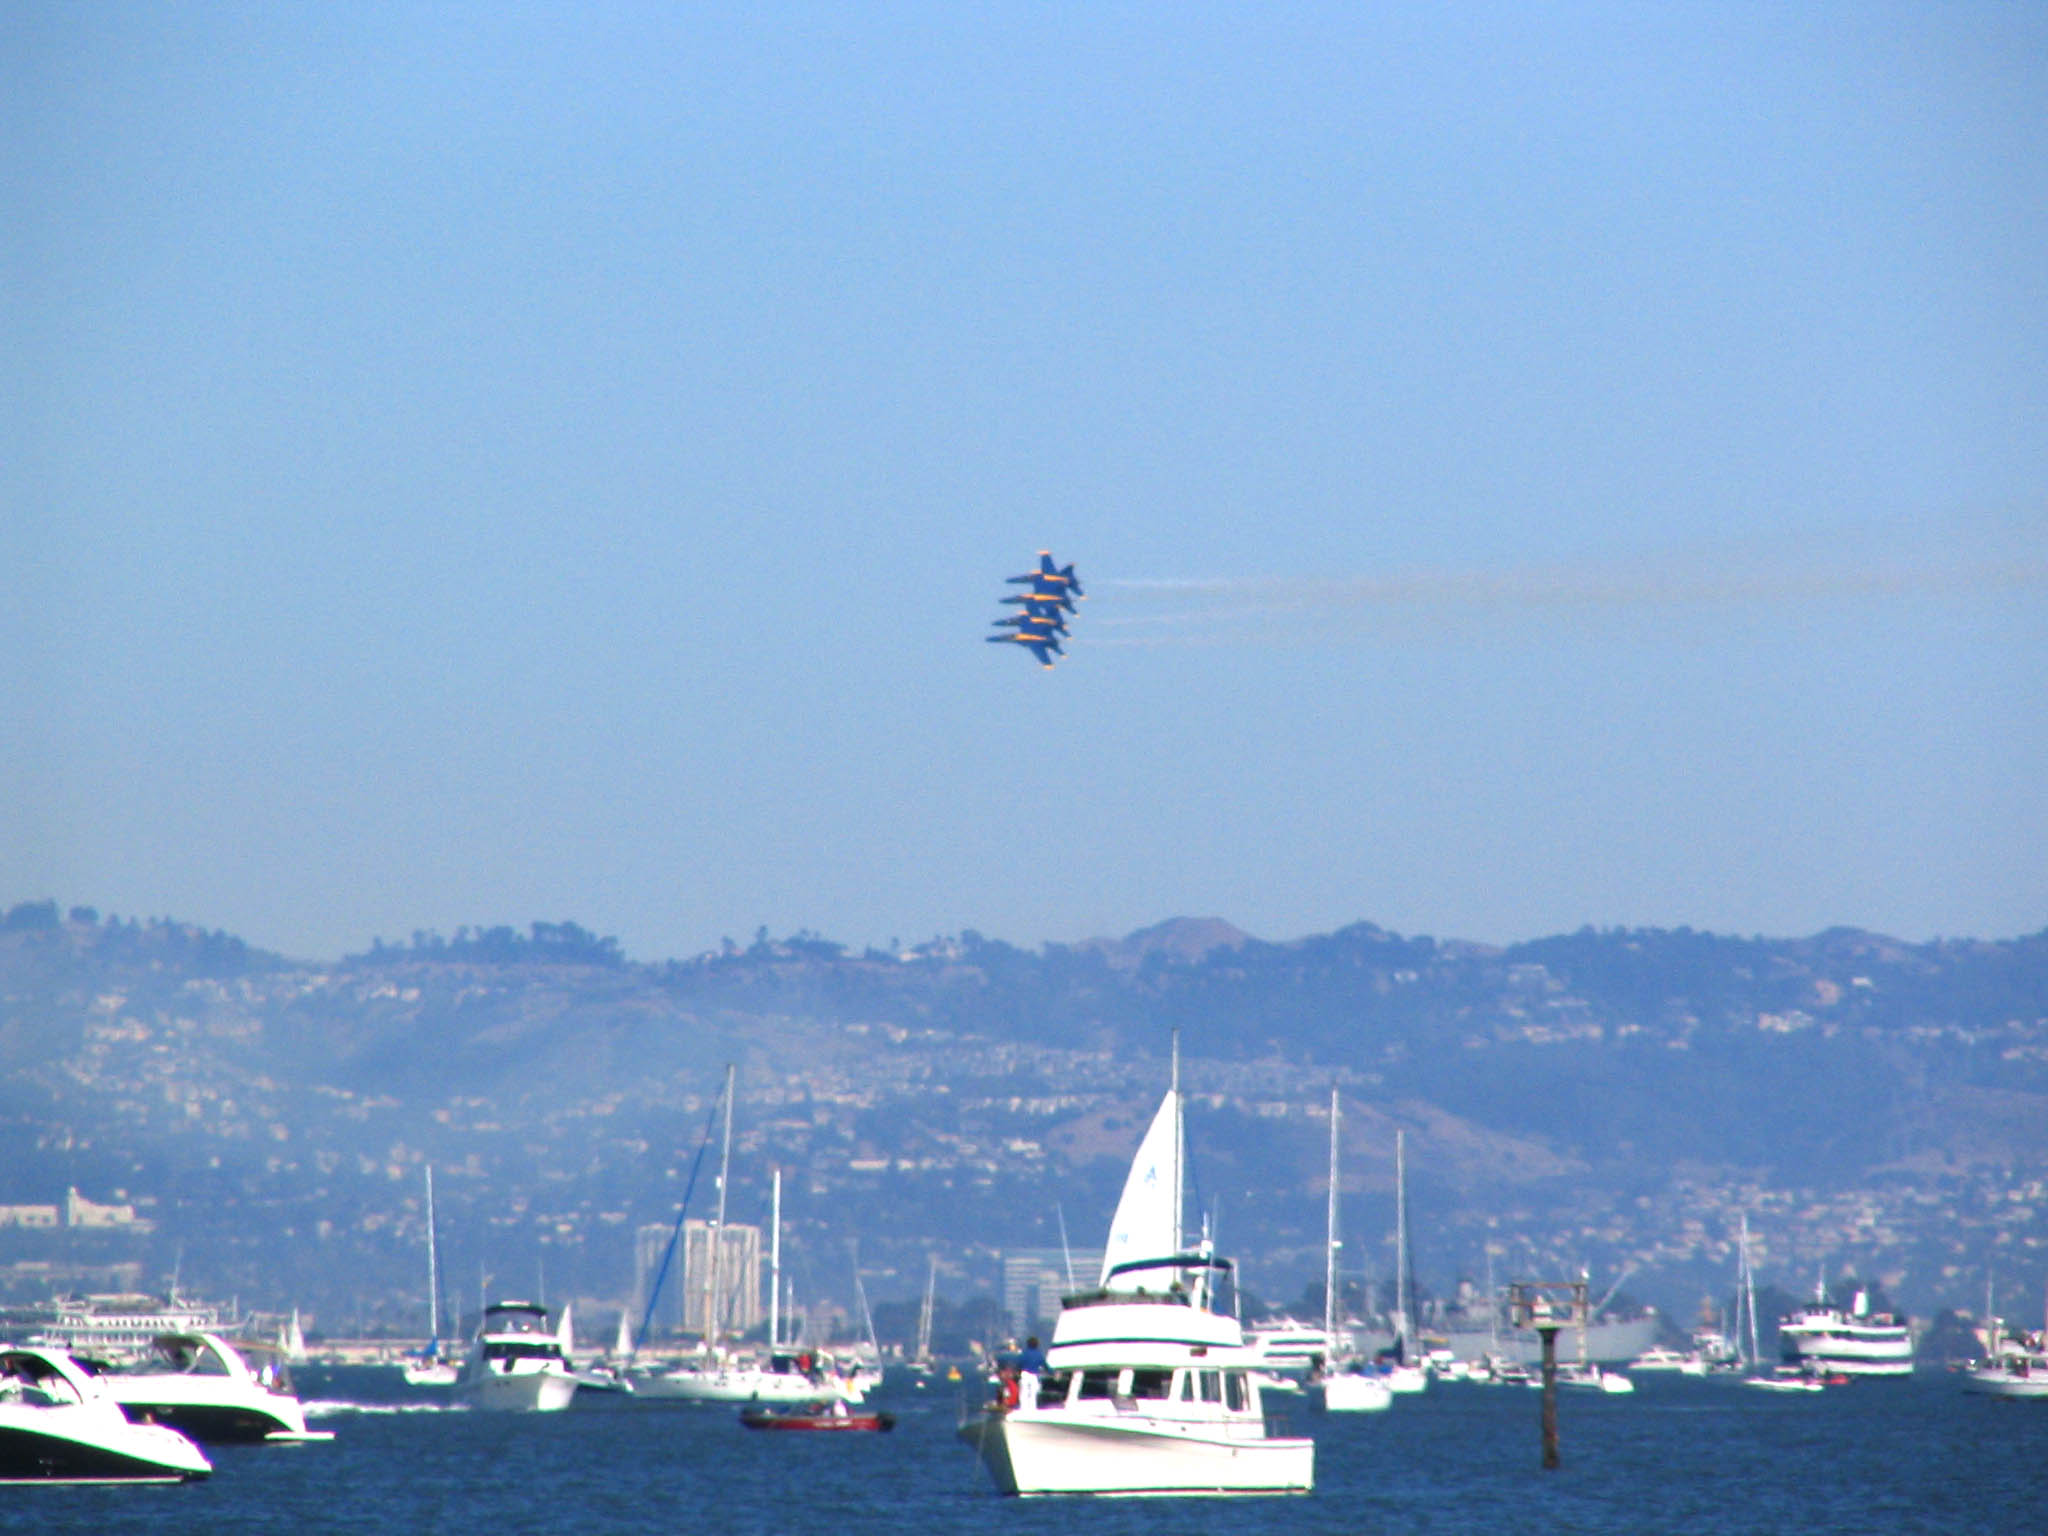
[[1030, 1366]]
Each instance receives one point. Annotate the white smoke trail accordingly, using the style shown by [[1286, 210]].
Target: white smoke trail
[[1170, 610]]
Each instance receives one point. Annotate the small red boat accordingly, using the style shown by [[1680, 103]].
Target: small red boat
[[826, 1416]]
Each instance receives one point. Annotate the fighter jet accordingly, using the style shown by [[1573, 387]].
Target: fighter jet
[[1043, 646], [1039, 627], [1035, 618], [1058, 583]]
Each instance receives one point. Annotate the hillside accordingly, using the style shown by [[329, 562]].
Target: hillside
[[1610, 1098]]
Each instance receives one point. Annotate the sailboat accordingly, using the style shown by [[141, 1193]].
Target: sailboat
[[1346, 1387], [787, 1375], [1403, 1374], [1146, 1389], [432, 1367]]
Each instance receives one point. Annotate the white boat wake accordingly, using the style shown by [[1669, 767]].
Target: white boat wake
[[325, 1409]]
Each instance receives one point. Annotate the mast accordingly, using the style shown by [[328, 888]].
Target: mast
[[1401, 1244], [924, 1316], [1330, 1244], [1179, 1138], [775, 1266], [1749, 1294], [433, 1272], [717, 1232]]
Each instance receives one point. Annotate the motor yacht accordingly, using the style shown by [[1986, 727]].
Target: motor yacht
[[1852, 1340], [516, 1361], [59, 1425], [213, 1391], [1146, 1390], [1659, 1359]]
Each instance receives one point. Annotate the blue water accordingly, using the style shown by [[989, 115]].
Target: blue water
[[1691, 1457]]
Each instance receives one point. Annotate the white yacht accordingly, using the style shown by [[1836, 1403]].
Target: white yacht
[[114, 1328], [213, 1391], [1661, 1360], [1852, 1341], [516, 1361], [1289, 1347], [1587, 1377], [2015, 1365], [58, 1425], [1145, 1389]]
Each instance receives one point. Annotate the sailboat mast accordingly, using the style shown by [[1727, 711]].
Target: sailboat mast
[[717, 1232], [924, 1316], [1179, 1138], [433, 1269], [1749, 1294], [775, 1265], [1401, 1243], [1330, 1243]]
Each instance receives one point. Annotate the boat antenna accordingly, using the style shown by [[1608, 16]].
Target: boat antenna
[[1066, 1252], [682, 1212]]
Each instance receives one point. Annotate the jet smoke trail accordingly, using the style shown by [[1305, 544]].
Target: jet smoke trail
[[1167, 610]]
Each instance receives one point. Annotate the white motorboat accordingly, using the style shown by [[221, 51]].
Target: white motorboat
[[1356, 1391], [58, 1425], [1661, 1360], [2014, 1373], [1289, 1347], [1591, 1378], [516, 1363], [2014, 1364], [213, 1391], [1852, 1340], [1145, 1389]]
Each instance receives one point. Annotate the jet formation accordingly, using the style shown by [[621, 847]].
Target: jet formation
[[1040, 624]]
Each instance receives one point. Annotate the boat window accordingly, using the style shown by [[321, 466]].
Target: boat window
[[1152, 1385], [1052, 1388], [1212, 1386], [507, 1350], [1098, 1384], [1184, 1386], [1234, 1394]]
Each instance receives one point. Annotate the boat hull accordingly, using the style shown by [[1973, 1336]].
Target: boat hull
[[1355, 1392], [1031, 1453], [744, 1387], [521, 1392], [2005, 1383], [32, 1455], [762, 1418]]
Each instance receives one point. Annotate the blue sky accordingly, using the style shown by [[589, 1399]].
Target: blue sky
[[1531, 468]]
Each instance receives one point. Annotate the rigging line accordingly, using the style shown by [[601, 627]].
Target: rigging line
[[675, 1235]]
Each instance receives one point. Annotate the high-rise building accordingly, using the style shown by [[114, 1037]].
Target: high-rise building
[[738, 1291], [1034, 1280]]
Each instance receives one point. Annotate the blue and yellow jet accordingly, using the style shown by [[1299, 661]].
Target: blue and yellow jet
[[1039, 627]]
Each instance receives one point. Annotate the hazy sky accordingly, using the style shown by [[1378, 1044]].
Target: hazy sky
[[1531, 467]]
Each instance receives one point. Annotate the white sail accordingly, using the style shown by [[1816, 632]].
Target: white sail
[[622, 1346], [1147, 1224], [565, 1329]]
